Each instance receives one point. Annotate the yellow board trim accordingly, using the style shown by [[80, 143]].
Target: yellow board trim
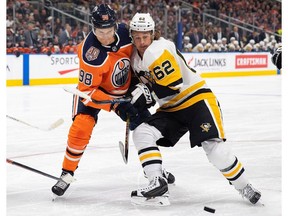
[[53, 81], [240, 73], [14, 82], [49, 81]]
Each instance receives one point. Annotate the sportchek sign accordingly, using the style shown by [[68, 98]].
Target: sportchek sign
[[251, 61]]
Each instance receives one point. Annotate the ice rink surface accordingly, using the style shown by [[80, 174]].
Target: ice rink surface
[[251, 109]]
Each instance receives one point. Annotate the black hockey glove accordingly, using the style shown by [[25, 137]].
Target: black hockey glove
[[277, 58], [141, 97], [123, 110], [144, 114]]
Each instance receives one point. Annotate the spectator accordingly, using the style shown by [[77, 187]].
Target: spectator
[[235, 34], [65, 35], [30, 35], [253, 36], [263, 35], [248, 48], [10, 34], [187, 46], [43, 16], [21, 48], [218, 34], [83, 33], [9, 46], [198, 48], [9, 21], [237, 46], [70, 47], [57, 26], [203, 42], [79, 40], [224, 45], [195, 37], [207, 47], [262, 47], [252, 42]]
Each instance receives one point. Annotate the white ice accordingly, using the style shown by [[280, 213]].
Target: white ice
[[252, 115]]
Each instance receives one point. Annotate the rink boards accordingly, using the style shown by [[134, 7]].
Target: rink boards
[[42, 69]]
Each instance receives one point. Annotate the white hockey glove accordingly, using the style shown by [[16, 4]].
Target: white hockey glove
[[141, 97], [277, 58]]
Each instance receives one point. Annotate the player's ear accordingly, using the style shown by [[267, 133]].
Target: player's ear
[[157, 34]]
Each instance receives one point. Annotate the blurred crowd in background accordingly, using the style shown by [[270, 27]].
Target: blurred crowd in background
[[32, 28]]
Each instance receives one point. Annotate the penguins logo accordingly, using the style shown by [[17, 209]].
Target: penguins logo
[[205, 127], [121, 72]]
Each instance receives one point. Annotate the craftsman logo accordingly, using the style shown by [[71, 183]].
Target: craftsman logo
[[251, 61]]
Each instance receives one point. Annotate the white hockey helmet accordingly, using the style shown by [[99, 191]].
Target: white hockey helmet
[[142, 22], [186, 38]]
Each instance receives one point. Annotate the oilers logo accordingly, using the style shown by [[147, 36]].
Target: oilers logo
[[121, 72]]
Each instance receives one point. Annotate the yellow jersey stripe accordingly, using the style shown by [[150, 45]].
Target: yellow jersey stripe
[[189, 102], [217, 115]]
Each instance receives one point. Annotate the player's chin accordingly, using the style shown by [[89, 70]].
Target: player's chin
[[142, 49]]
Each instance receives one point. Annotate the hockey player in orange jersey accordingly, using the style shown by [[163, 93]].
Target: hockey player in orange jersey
[[104, 74]]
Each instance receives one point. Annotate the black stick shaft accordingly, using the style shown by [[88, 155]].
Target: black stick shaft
[[31, 169], [127, 131]]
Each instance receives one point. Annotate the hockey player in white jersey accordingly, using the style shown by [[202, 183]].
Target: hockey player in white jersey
[[185, 102]]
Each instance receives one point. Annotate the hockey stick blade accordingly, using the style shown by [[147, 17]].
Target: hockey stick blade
[[50, 127], [122, 151], [67, 180], [56, 124], [87, 97], [124, 148]]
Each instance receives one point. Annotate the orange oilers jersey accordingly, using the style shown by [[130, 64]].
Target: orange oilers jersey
[[104, 71]]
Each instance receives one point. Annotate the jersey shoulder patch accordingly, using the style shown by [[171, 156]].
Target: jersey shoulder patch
[[92, 51]]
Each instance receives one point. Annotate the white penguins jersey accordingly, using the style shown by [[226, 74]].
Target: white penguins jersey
[[175, 85]]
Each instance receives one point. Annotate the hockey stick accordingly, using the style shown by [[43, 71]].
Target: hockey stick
[[87, 97], [124, 149], [51, 127], [67, 180]]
